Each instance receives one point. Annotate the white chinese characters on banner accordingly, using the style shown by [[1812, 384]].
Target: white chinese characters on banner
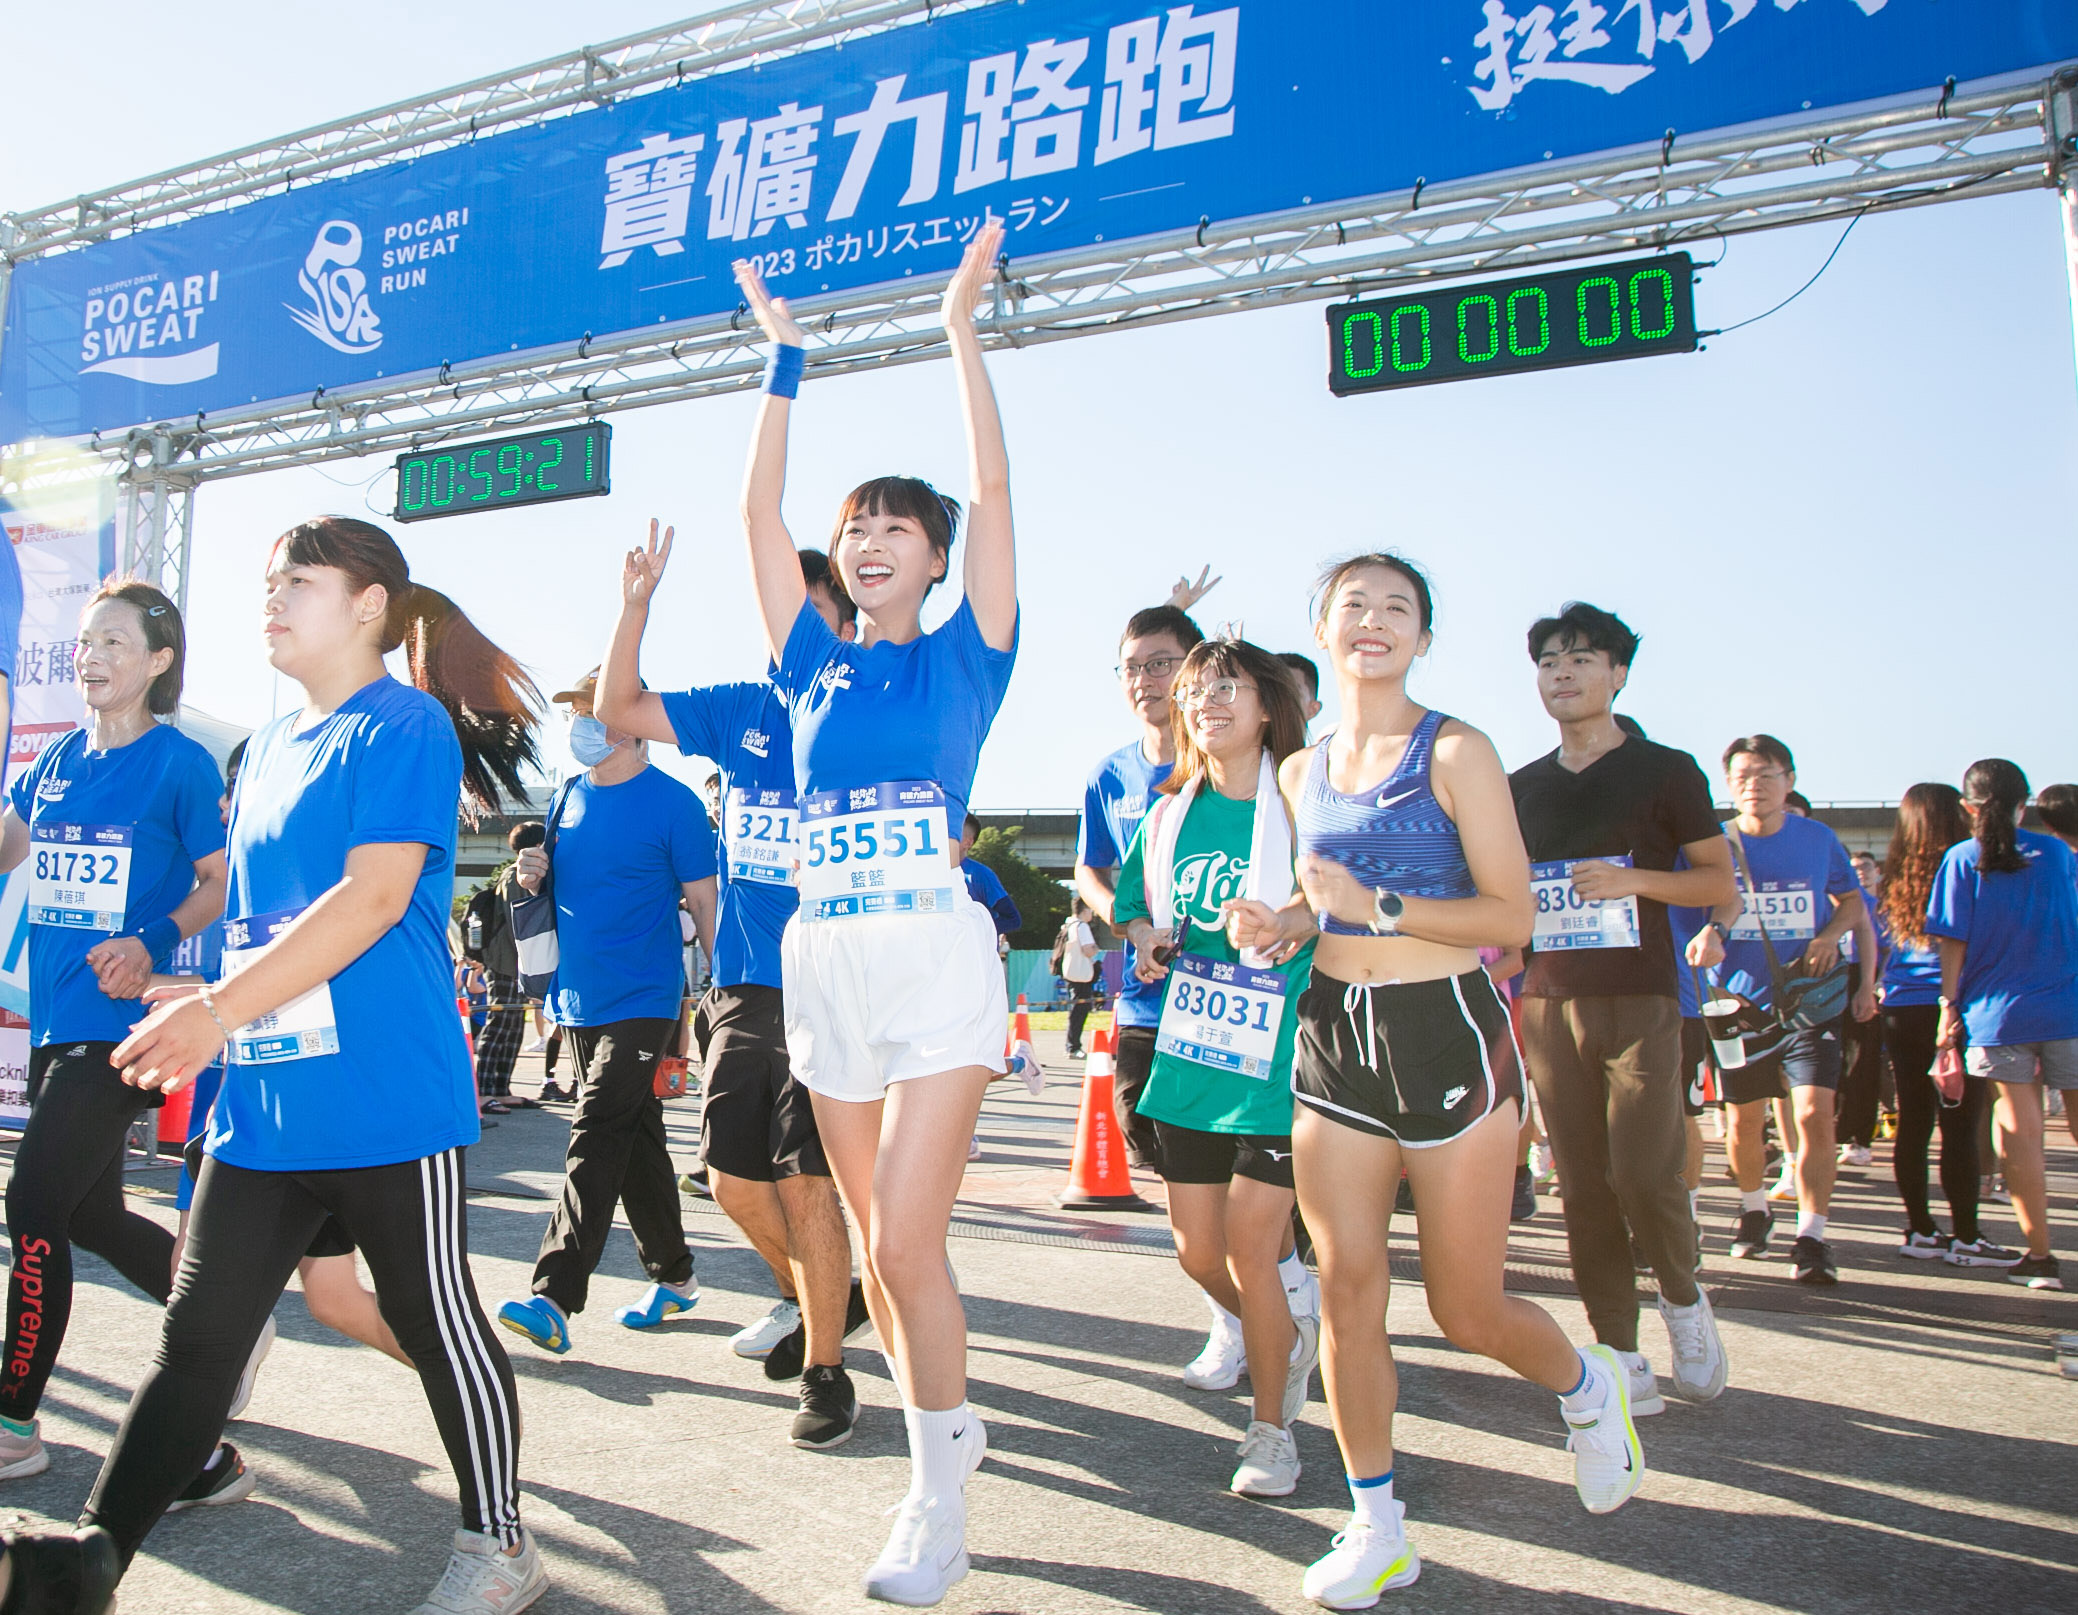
[[1168, 81], [64, 550], [1514, 52]]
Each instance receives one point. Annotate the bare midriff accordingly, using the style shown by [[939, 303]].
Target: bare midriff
[[1381, 959]]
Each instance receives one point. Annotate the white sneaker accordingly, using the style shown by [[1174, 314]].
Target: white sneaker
[[1218, 1367], [758, 1339], [1855, 1155], [926, 1553], [1304, 1297], [482, 1579], [1364, 1562], [261, 1348], [1608, 1462], [1699, 1367], [1644, 1385], [538, 1046], [1305, 1353], [23, 1456], [1269, 1462]]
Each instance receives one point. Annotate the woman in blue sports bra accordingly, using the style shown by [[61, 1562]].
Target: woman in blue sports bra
[[1408, 852]]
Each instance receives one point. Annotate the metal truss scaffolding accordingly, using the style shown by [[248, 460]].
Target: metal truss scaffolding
[[1942, 147]]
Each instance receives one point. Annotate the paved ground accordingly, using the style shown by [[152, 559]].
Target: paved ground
[[1904, 1443]]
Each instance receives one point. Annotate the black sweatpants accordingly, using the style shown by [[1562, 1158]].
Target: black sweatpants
[[1083, 999], [246, 1232], [66, 1190], [1861, 1080], [1909, 1031], [616, 1154]]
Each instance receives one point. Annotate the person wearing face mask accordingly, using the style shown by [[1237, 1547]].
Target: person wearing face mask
[[895, 1002], [118, 823], [626, 843]]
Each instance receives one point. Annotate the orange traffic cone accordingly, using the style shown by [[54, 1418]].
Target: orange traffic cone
[[1021, 1027], [1099, 1179], [468, 1033]]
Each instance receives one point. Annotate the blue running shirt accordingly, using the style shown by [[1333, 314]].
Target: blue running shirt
[[743, 730], [868, 714], [384, 768], [2020, 971], [128, 823], [1799, 870], [1120, 791], [621, 852]]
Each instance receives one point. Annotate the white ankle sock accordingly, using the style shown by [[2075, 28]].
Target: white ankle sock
[[1588, 1392], [1292, 1271], [1221, 1318], [1371, 1503], [1811, 1225], [937, 1458], [1753, 1199]]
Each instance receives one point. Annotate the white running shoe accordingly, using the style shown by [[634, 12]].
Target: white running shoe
[[1608, 1462], [926, 1553], [1699, 1367], [1644, 1385], [1219, 1366], [1855, 1155], [261, 1348], [1304, 1297], [23, 1456], [538, 1046], [757, 1340], [1924, 1247], [482, 1579], [1365, 1561], [1269, 1462], [1305, 1353]]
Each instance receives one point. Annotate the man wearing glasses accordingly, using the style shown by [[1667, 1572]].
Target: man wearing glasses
[[1120, 790]]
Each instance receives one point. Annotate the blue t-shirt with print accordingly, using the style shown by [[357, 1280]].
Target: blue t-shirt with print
[[1120, 791], [2020, 968], [159, 794], [867, 714], [743, 730], [621, 853], [383, 768], [987, 890], [1798, 871]]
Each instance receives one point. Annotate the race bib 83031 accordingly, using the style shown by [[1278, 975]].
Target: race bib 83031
[[1565, 919], [875, 849], [79, 875], [1221, 1014], [763, 836]]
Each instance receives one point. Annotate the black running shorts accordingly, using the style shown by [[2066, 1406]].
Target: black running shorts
[[1190, 1155], [1132, 1060], [1417, 1061], [756, 1121]]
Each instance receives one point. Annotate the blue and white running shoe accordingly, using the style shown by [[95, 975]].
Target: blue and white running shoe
[[658, 1302], [540, 1320]]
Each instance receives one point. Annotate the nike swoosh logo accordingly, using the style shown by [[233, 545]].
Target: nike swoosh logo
[[1278, 1155], [930, 1053], [1386, 802], [960, 1432]]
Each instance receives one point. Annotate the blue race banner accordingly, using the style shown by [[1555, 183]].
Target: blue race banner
[[1075, 121]]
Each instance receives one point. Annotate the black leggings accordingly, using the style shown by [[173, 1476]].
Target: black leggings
[[67, 1189], [246, 1232], [1908, 1031]]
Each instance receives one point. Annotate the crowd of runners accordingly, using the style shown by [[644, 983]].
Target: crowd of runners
[[1369, 972]]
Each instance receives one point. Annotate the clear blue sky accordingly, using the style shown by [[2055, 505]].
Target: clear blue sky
[[1851, 524]]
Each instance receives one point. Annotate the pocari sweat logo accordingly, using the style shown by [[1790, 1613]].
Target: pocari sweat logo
[[340, 315]]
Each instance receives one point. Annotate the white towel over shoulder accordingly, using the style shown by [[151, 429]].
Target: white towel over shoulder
[[1269, 851]]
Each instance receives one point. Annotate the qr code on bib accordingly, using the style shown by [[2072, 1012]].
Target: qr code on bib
[[926, 900]]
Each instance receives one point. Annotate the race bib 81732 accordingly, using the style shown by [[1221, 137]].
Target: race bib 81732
[[79, 875], [875, 849]]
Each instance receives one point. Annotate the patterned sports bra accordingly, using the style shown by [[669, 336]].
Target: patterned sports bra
[[1394, 835]]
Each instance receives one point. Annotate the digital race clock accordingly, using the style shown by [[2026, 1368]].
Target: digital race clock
[[570, 463], [1497, 327]]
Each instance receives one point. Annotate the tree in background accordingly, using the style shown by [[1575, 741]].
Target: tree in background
[[1042, 900]]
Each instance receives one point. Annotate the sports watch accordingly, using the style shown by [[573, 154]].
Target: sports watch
[[1386, 909]]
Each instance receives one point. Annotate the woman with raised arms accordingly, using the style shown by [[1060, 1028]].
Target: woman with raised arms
[[1410, 856], [894, 996]]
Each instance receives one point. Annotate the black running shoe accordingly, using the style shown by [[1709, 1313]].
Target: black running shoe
[[1525, 1204], [1750, 1238], [785, 1360], [1404, 1199], [224, 1479], [829, 1409], [62, 1572], [1812, 1260], [2036, 1272], [857, 1319]]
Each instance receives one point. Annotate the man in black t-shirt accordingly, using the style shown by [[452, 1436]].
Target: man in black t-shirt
[[1603, 818]]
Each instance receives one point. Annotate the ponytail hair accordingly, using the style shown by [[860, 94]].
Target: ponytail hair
[[493, 703], [1996, 791], [163, 630]]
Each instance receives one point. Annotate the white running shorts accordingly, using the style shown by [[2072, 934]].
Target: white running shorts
[[882, 998]]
